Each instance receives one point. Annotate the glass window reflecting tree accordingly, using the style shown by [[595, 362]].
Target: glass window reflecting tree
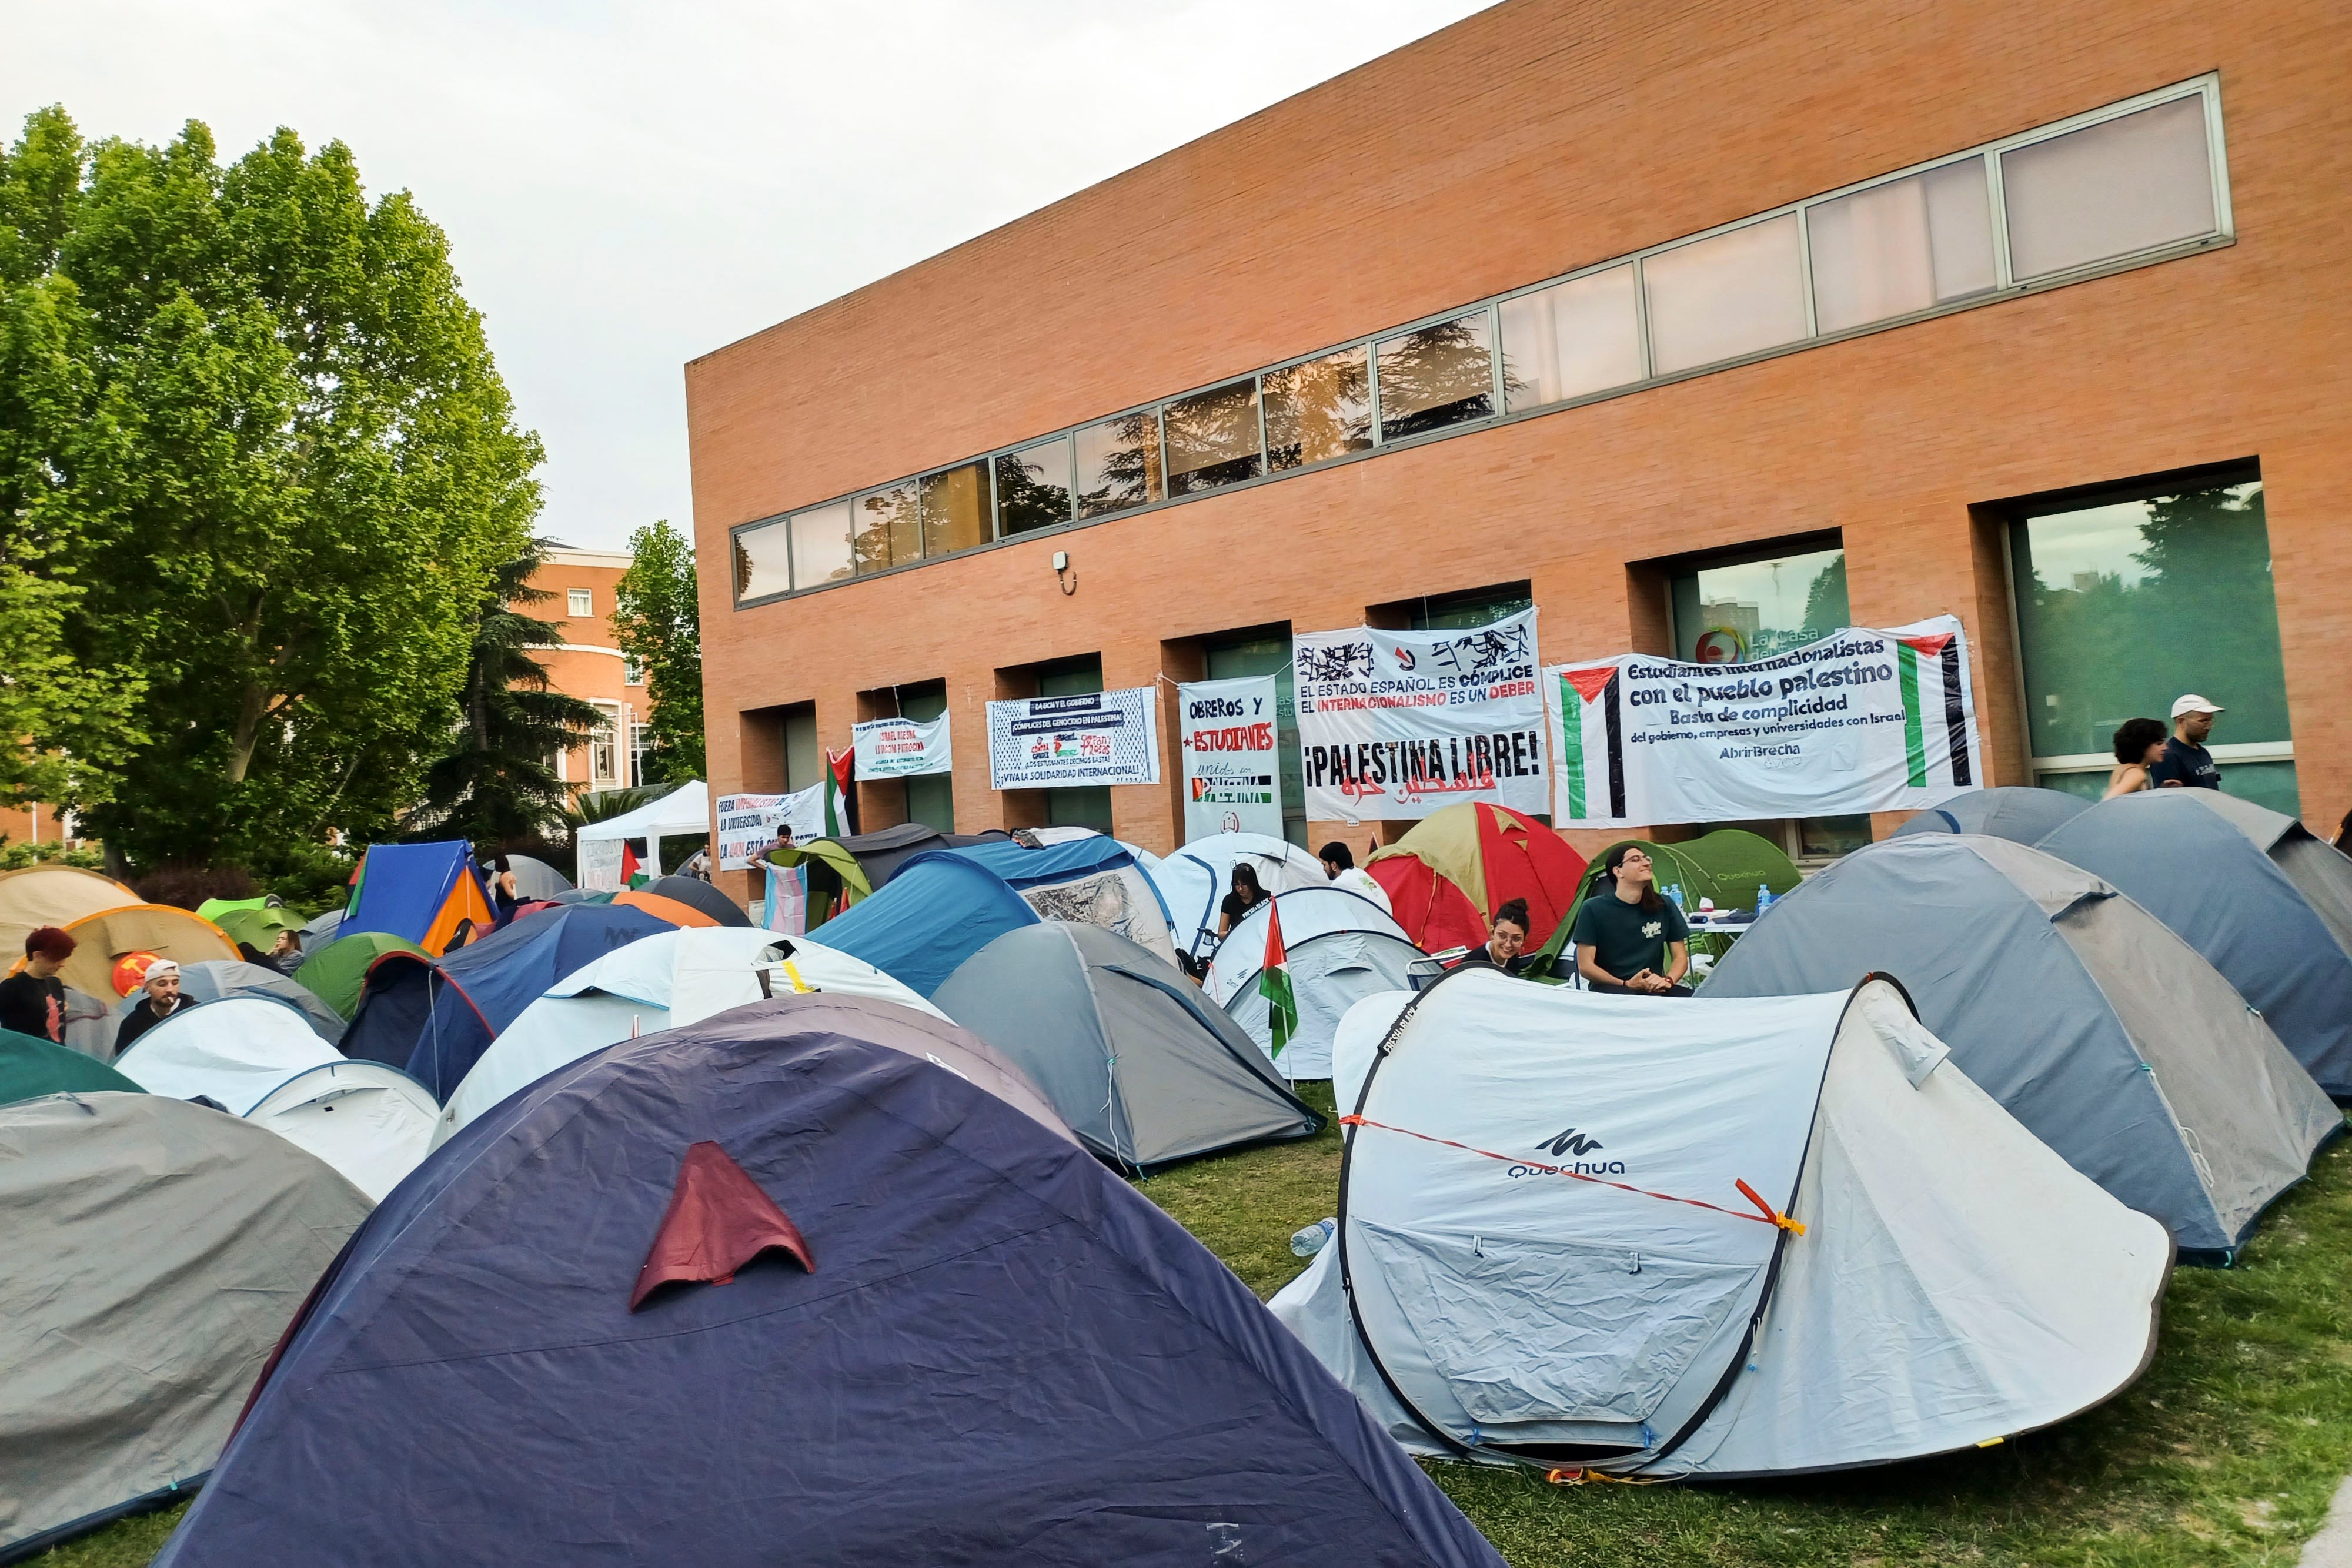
[[1735, 612], [1437, 376], [955, 509], [1213, 438], [1578, 337], [822, 548], [1317, 411], [889, 530], [1032, 486], [1119, 463], [2122, 607], [761, 564]]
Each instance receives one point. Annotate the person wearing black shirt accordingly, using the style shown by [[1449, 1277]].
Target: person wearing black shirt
[[33, 999], [1506, 941], [2186, 763], [1628, 939], [163, 999], [1245, 897]]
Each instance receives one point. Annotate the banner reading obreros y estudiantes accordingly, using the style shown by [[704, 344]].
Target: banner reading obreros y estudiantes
[[1859, 721], [1402, 724], [1053, 743], [902, 747], [1232, 783], [749, 822]]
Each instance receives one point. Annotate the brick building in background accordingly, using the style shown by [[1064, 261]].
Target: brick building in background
[[1686, 320], [588, 665]]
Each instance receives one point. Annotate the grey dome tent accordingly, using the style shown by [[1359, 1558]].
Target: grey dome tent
[[2102, 1032], [1143, 1068], [2018, 812], [2199, 862], [1342, 948], [156, 1250], [1548, 1251], [534, 878]]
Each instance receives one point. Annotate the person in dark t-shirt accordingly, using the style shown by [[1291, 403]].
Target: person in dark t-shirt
[[163, 999], [33, 999], [2186, 763], [1628, 939]]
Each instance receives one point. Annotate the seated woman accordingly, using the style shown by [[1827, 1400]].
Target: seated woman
[[1247, 895], [2139, 746], [1628, 939]]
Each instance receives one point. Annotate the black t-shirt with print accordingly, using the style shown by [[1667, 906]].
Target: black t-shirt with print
[[34, 1006], [1624, 938], [2185, 763]]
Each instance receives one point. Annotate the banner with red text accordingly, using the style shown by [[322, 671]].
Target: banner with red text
[[1859, 721], [1401, 724], [902, 747], [1232, 779]]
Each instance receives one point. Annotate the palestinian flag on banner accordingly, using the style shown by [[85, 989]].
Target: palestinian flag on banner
[[838, 772], [1591, 768], [633, 872], [1274, 984], [1935, 719]]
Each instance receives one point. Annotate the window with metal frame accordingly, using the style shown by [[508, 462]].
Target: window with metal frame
[[2133, 183]]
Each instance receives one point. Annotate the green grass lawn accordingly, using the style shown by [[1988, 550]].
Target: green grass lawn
[[2226, 1452]]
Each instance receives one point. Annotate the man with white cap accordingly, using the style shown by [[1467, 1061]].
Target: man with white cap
[[2186, 763], [163, 999]]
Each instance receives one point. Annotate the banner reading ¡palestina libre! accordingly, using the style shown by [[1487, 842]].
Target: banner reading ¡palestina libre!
[[1053, 743], [1859, 721], [749, 822], [1232, 783], [902, 747], [1402, 724]]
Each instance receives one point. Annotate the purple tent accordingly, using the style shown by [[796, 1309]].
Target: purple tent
[[987, 1348]]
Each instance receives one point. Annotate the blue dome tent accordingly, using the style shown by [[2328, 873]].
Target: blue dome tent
[[938, 910], [434, 1018], [1015, 1359]]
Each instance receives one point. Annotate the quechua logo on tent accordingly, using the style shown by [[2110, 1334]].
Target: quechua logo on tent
[[1569, 1142]]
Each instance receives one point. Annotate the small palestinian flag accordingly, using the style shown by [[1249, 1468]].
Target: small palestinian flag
[[1274, 984], [1935, 720], [632, 870], [838, 771], [1591, 744]]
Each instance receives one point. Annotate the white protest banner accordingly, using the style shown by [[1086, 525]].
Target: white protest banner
[[902, 747], [1232, 783], [1860, 721], [749, 822], [1052, 743], [1401, 724]]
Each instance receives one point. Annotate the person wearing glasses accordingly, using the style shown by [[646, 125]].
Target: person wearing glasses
[[1628, 939]]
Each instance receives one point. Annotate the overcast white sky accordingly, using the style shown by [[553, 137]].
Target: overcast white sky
[[627, 186]]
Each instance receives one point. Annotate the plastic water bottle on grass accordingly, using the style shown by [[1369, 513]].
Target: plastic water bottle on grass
[[1308, 1242]]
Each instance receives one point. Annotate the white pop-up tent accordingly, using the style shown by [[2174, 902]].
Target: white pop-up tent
[[255, 1056], [683, 813], [1569, 1237], [1342, 948], [663, 981], [1193, 881]]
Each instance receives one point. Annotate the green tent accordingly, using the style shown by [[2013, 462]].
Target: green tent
[[1727, 865], [836, 879], [212, 909], [336, 971], [256, 927], [30, 1068]]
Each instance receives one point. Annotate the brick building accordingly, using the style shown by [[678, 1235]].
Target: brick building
[[1706, 319], [588, 665]]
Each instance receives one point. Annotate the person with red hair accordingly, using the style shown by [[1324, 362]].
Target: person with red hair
[[33, 999]]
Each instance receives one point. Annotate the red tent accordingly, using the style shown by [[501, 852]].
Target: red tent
[[1447, 877]]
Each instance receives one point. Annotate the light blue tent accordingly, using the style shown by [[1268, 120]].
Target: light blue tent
[[2102, 1032], [940, 909], [2017, 812], [1095, 881], [2200, 861]]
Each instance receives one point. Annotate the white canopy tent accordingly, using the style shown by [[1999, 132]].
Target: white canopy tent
[[257, 1058], [683, 813], [1545, 1246], [663, 981]]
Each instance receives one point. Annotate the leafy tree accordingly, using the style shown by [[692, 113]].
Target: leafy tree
[[496, 781], [294, 477], [657, 621]]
